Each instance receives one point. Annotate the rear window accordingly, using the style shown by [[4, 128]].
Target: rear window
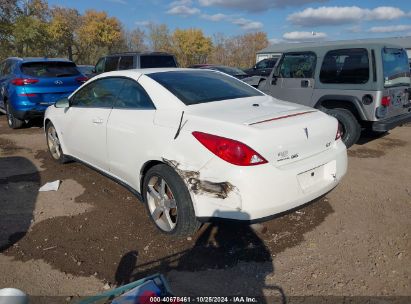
[[195, 87], [395, 65], [349, 66], [157, 62], [49, 69]]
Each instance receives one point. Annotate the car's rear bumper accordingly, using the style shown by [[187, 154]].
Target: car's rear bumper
[[390, 123], [28, 114], [260, 192]]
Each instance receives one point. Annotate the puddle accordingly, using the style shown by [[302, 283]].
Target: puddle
[[365, 153]]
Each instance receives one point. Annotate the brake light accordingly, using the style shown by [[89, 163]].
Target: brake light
[[28, 95], [82, 79], [386, 101], [230, 150], [339, 132], [23, 81]]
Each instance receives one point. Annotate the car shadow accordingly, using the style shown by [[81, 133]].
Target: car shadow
[[368, 136], [221, 245], [19, 184]]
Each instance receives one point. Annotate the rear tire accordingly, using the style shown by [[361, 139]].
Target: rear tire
[[351, 129], [175, 214], [12, 121]]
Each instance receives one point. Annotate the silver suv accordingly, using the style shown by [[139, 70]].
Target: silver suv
[[363, 85]]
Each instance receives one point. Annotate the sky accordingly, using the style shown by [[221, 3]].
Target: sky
[[282, 20]]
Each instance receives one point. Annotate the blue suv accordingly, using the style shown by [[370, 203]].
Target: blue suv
[[29, 85]]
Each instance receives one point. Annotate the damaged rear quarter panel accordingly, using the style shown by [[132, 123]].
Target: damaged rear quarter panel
[[207, 190]]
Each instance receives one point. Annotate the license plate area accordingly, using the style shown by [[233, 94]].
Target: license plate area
[[318, 177]]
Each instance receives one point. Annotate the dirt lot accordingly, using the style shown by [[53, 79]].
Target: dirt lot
[[93, 232]]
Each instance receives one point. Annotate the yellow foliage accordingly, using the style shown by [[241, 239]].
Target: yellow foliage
[[191, 46]]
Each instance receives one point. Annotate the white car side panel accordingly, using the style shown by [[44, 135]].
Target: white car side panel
[[130, 145], [85, 135]]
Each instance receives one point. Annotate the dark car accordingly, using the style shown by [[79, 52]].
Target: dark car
[[263, 67], [200, 65], [236, 72], [29, 85], [135, 60], [87, 70]]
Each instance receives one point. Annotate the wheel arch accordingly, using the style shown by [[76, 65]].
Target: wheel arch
[[46, 122], [350, 103], [147, 166]]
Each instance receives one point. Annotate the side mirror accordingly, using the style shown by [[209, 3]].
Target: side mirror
[[62, 103], [94, 71], [274, 80]]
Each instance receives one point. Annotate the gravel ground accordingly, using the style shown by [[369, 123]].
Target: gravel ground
[[93, 234]]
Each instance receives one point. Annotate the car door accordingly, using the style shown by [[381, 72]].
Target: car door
[[129, 128], [86, 121], [293, 79]]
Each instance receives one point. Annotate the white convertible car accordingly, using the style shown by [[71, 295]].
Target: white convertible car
[[198, 144]]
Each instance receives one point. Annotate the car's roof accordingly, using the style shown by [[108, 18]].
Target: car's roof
[[322, 48], [139, 54], [39, 59]]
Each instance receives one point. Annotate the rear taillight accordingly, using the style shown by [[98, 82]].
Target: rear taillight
[[230, 150], [28, 95], [339, 132], [23, 81], [81, 79], [386, 101]]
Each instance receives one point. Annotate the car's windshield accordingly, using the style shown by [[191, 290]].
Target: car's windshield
[[396, 68], [49, 69], [194, 87]]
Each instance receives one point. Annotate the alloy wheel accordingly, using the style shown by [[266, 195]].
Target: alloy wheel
[[161, 204], [53, 142]]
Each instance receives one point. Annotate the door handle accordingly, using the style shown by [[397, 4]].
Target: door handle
[[305, 83], [97, 120]]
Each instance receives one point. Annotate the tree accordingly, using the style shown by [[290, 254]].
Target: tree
[[135, 40], [9, 11], [240, 50], [159, 37], [63, 27], [30, 30], [191, 46], [220, 52], [98, 34], [254, 42]]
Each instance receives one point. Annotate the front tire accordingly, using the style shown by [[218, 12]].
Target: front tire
[[53, 144], [12, 121], [168, 201], [351, 129]]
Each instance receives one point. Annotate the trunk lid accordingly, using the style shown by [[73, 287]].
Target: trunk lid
[[281, 132]]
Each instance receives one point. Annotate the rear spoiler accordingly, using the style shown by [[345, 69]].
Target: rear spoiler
[[281, 117]]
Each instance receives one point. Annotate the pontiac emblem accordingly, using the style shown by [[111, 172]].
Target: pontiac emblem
[[306, 132]]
